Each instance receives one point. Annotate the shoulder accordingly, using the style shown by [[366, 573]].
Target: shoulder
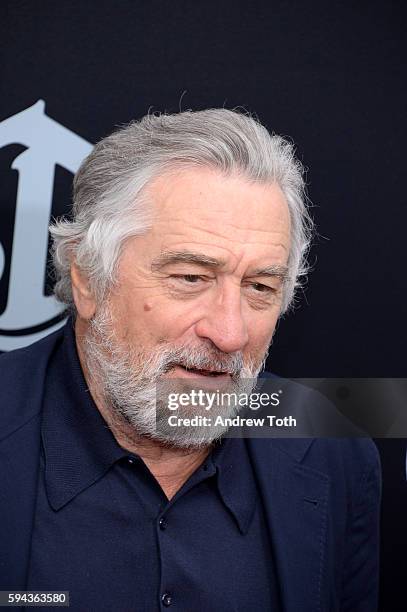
[[359, 453], [343, 460], [324, 437], [22, 377], [353, 465]]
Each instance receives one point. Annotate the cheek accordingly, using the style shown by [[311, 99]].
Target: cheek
[[261, 331], [163, 323]]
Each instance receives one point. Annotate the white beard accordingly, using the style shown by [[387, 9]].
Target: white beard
[[127, 379]]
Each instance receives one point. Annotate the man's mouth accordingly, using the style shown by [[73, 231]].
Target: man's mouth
[[203, 372]]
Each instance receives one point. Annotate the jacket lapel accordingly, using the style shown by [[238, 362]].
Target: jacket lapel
[[19, 458], [21, 389], [295, 499]]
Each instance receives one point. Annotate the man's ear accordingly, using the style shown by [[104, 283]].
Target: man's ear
[[84, 300]]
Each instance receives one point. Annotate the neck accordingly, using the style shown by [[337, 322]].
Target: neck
[[170, 466]]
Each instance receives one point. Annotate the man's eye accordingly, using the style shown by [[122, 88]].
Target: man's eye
[[260, 288], [188, 278]]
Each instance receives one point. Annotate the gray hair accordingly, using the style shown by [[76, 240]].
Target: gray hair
[[108, 198]]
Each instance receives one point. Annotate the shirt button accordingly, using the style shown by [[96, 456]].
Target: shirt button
[[130, 460], [163, 525], [166, 600]]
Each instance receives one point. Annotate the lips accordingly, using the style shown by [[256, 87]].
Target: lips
[[198, 372]]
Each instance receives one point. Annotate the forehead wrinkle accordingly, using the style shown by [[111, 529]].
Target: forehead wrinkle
[[211, 227], [195, 247], [263, 238]]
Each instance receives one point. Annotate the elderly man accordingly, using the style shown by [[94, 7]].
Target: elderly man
[[188, 239]]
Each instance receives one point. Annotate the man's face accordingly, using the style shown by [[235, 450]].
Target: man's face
[[197, 297], [200, 276]]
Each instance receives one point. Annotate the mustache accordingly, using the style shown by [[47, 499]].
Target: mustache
[[201, 358], [165, 356]]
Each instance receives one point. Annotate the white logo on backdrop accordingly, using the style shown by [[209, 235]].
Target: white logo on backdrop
[[48, 143]]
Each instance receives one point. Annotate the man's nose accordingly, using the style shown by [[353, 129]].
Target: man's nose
[[224, 323]]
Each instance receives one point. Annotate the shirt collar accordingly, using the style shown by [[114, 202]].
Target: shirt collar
[[79, 447]]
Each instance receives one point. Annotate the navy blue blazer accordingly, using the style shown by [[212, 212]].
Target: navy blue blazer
[[321, 498]]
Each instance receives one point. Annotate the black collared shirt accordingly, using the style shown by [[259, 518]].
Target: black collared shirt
[[105, 531]]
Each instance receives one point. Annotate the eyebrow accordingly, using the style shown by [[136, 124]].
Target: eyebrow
[[274, 270], [191, 257], [171, 257]]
